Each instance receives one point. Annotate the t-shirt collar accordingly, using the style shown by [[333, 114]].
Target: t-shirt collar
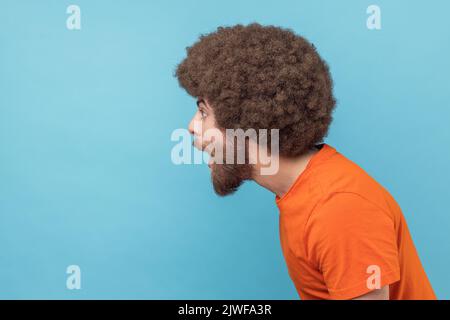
[[325, 152]]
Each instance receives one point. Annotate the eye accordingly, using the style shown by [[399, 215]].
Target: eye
[[203, 114]]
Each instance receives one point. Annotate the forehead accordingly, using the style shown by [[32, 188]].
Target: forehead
[[201, 102]]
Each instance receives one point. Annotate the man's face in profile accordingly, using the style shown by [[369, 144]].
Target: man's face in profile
[[226, 177]]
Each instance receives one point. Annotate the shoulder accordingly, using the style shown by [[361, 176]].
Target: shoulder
[[343, 182], [343, 220]]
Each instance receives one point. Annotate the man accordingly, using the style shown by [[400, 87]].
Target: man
[[342, 234]]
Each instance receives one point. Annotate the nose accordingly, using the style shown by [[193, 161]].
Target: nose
[[191, 126]]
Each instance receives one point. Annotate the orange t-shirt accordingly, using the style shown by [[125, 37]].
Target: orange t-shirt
[[342, 234]]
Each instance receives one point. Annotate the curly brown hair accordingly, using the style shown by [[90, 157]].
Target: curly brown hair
[[262, 77]]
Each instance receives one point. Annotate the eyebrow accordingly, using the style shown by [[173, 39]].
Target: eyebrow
[[200, 101]]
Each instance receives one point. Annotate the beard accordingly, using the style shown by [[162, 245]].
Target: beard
[[227, 178]]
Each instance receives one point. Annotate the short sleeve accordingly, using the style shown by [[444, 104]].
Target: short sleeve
[[353, 244]]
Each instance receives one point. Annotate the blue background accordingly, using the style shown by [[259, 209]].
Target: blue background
[[86, 116]]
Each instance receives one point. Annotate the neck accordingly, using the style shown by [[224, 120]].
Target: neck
[[288, 172]]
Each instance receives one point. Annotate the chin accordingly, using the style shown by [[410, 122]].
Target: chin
[[227, 179]]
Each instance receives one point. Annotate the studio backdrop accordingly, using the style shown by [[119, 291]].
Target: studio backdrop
[[88, 107]]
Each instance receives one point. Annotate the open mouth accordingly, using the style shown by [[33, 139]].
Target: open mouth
[[210, 151]]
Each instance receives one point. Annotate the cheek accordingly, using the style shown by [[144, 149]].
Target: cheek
[[209, 129], [209, 123]]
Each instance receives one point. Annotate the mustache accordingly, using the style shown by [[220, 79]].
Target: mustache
[[203, 147]]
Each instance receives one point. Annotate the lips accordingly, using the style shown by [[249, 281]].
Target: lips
[[210, 163], [210, 151]]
